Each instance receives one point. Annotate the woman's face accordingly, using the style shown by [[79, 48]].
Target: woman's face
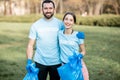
[[68, 21]]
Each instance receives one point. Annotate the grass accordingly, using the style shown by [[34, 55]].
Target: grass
[[102, 45], [13, 41]]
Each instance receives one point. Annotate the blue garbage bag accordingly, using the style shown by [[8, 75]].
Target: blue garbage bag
[[32, 74], [73, 69], [80, 35]]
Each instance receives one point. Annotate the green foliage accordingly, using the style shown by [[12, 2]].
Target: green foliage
[[109, 21], [102, 46], [103, 20], [24, 18], [86, 20]]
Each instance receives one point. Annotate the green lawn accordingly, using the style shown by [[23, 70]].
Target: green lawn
[[102, 45]]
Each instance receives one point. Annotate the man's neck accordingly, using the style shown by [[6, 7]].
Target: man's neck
[[49, 18]]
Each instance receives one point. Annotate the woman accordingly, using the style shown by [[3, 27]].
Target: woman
[[70, 41]]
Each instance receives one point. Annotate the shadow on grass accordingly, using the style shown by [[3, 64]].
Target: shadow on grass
[[12, 70]]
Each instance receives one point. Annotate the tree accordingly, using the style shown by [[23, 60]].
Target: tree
[[59, 5], [94, 6], [10, 9], [113, 6], [5, 9]]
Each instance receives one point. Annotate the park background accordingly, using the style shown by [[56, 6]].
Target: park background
[[99, 19]]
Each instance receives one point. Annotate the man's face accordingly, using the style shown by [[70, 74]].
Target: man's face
[[48, 10]]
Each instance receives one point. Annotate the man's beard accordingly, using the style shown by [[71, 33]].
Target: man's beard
[[48, 16]]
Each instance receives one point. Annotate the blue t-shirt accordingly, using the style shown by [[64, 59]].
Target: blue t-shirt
[[45, 33], [68, 44]]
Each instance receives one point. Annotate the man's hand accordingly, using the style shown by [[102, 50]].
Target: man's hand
[[29, 62]]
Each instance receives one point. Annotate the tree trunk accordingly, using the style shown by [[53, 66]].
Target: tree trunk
[[116, 9], [61, 6], [10, 9], [5, 10], [90, 11], [97, 9]]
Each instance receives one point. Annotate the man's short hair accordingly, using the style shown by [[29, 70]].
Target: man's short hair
[[48, 1]]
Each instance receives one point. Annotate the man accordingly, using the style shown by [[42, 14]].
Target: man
[[44, 33]]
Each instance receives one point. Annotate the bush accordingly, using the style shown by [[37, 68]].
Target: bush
[[86, 21], [24, 18], [102, 20], [109, 21]]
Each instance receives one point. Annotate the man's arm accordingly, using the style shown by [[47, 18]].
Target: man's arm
[[29, 51]]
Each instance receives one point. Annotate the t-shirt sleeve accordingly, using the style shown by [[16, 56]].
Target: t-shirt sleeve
[[32, 33], [81, 37], [62, 26], [81, 41]]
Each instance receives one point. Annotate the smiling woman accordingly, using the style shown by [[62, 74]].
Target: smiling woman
[[71, 42]]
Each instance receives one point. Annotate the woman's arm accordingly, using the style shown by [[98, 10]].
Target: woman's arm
[[82, 49]]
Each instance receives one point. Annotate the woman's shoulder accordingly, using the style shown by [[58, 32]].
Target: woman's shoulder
[[80, 34]]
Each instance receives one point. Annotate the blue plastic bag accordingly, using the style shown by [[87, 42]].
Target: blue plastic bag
[[73, 69], [32, 74], [80, 35]]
